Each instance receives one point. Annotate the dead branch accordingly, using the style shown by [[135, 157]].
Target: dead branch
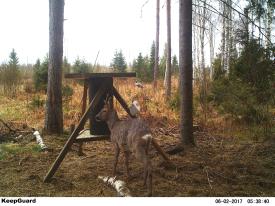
[[209, 181], [6, 125]]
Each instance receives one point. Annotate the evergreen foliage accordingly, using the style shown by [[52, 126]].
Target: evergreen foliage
[[175, 65], [10, 76], [40, 77], [118, 63], [247, 91], [80, 66], [144, 66], [66, 65]]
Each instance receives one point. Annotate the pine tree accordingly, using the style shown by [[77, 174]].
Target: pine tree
[[186, 71], [152, 60], [156, 66], [138, 66], [167, 78], [13, 59], [40, 76], [54, 112], [66, 65], [80, 66], [118, 63], [175, 64], [11, 75]]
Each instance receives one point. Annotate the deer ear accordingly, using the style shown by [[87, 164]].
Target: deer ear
[[107, 101]]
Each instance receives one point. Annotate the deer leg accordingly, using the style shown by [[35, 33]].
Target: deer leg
[[148, 175], [80, 149], [126, 158], [145, 175], [117, 151]]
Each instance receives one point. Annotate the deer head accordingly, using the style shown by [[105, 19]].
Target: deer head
[[104, 112]]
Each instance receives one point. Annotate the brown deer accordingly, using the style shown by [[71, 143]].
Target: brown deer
[[129, 136]]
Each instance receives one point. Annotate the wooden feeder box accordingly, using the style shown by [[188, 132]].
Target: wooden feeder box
[[98, 86]]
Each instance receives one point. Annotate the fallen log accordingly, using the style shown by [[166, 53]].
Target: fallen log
[[119, 185], [39, 141]]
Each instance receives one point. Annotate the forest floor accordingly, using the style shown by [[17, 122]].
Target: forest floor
[[219, 165]]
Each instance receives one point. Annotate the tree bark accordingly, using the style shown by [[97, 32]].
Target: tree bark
[[203, 69], [54, 114], [186, 71], [167, 82], [223, 53], [269, 23], [156, 66], [228, 34], [212, 48]]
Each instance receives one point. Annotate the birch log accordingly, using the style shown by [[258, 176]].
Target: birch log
[[39, 140], [119, 185]]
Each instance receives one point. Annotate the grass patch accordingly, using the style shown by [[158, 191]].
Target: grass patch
[[11, 149], [12, 109]]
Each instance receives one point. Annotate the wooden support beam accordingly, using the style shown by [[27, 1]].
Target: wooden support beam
[[161, 152], [122, 102], [99, 75], [84, 105], [84, 98], [74, 135]]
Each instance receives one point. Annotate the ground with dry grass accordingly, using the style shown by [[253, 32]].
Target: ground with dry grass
[[220, 164]]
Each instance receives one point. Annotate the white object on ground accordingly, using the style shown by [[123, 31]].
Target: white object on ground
[[139, 84], [39, 140], [135, 108], [119, 185], [19, 137]]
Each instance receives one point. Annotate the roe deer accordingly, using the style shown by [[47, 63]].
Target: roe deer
[[132, 135]]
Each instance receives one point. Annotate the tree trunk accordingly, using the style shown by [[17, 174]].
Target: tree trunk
[[156, 66], [223, 53], [227, 37], [203, 69], [269, 22], [54, 114], [231, 35], [186, 71], [211, 47], [246, 25], [197, 71], [252, 24], [167, 82]]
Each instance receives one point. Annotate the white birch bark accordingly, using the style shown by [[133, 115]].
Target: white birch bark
[[118, 185]]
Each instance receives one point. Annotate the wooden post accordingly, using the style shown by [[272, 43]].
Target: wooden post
[[161, 152], [122, 102], [84, 98], [84, 104], [75, 133]]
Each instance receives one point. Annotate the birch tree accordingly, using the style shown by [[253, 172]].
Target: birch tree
[[167, 79], [156, 66]]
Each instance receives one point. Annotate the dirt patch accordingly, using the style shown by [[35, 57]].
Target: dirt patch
[[216, 167]]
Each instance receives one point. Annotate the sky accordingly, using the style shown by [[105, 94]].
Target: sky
[[90, 26]]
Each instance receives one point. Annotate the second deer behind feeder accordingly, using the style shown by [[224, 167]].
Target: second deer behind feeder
[[129, 136]]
